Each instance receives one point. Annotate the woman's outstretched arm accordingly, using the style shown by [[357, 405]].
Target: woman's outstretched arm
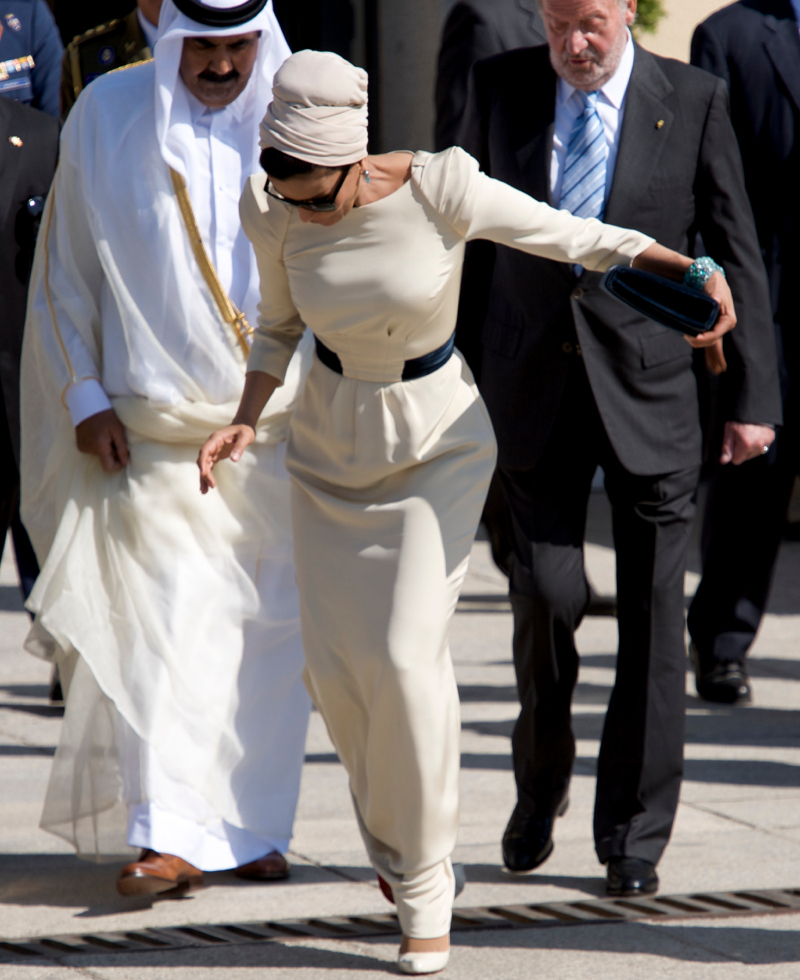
[[480, 207], [236, 437]]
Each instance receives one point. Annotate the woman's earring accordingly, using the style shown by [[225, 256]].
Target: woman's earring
[[366, 175]]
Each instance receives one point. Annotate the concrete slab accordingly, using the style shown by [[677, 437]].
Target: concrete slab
[[738, 825], [741, 949]]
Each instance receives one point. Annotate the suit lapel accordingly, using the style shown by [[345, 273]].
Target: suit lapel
[[646, 128], [783, 47], [534, 162], [531, 7], [11, 159], [533, 155]]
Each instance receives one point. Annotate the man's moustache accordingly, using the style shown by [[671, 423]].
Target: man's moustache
[[212, 76]]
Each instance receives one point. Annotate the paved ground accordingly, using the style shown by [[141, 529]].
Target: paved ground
[[738, 826]]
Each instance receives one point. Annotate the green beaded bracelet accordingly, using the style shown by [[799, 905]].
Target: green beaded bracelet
[[700, 271]]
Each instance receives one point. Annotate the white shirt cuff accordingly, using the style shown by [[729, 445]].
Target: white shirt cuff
[[84, 399]]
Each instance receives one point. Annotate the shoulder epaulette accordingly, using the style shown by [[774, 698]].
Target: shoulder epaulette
[[133, 64], [95, 32]]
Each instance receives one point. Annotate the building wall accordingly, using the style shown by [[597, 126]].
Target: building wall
[[674, 34], [409, 32]]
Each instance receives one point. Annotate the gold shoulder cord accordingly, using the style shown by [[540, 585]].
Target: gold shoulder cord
[[49, 298], [75, 68], [230, 314]]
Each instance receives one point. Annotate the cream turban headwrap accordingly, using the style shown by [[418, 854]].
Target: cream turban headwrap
[[318, 111]]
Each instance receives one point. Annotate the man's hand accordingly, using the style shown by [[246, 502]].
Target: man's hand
[[103, 435], [742, 441]]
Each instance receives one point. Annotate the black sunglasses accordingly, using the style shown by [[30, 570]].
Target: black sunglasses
[[317, 203]]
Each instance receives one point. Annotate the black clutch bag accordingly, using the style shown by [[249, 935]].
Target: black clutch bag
[[667, 302]]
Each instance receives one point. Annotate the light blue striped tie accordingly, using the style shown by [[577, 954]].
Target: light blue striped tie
[[583, 189]]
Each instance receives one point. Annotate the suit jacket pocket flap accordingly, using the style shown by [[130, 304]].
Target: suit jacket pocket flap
[[502, 331], [664, 347]]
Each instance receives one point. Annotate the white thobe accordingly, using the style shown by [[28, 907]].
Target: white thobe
[[185, 722]]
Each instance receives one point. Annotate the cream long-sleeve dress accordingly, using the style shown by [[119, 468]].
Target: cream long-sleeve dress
[[389, 478]]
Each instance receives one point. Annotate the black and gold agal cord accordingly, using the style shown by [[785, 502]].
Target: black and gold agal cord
[[219, 17]]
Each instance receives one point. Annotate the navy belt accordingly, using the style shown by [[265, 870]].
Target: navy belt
[[417, 367]]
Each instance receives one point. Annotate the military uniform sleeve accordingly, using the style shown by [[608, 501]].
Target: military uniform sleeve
[[280, 326], [47, 53], [479, 207]]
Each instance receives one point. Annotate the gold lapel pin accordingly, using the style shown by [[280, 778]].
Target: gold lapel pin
[[660, 124], [15, 140]]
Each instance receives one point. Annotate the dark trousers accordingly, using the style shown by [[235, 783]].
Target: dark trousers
[[742, 530], [27, 566], [641, 754]]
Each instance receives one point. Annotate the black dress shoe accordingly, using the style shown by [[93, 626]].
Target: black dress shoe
[[630, 876], [528, 839], [723, 682]]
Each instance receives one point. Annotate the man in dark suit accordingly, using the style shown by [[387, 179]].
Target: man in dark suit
[[573, 380], [28, 152], [755, 47], [474, 30], [477, 29]]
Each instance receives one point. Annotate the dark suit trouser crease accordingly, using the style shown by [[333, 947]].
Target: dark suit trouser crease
[[27, 566], [640, 764], [743, 527]]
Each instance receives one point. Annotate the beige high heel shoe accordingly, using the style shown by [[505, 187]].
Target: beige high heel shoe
[[421, 963]]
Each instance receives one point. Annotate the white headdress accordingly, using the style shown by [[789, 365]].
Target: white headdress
[[218, 18]]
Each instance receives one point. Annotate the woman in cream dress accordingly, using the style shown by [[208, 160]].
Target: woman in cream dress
[[391, 448]]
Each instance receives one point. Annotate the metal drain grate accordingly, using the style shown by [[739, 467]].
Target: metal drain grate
[[705, 905]]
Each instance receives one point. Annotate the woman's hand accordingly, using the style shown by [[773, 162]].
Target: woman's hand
[[228, 442], [717, 288], [236, 437], [664, 262]]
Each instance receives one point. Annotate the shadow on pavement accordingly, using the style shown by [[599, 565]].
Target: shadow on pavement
[[699, 943], [713, 725], [732, 772], [493, 874], [65, 881], [10, 599], [289, 956]]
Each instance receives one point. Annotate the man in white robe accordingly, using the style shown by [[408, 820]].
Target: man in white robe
[[173, 617]]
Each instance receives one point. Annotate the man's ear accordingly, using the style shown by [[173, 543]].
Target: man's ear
[[630, 13]]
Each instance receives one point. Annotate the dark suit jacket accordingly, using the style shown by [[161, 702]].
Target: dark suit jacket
[[678, 172], [477, 29], [755, 46], [25, 171]]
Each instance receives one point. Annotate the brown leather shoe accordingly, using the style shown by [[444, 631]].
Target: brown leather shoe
[[272, 867], [154, 873]]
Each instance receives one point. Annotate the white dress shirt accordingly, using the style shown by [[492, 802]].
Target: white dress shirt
[[149, 30], [611, 109]]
